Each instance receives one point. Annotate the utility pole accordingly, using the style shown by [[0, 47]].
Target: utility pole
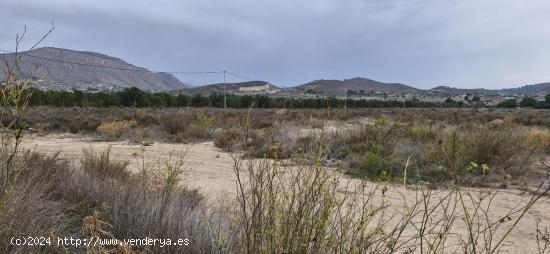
[[346, 99], [225, 91]]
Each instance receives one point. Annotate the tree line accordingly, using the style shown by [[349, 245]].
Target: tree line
[[134, 97]]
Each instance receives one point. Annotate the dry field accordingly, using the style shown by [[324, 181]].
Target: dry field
[[428, 180], [210, 170]]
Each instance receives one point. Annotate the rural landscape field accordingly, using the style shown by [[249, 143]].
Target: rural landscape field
[[375, 180], [449, 154]]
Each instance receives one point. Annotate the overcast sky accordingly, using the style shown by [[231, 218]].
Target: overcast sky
[[423, 43]]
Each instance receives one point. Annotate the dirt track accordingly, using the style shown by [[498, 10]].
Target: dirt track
[[210, 170]]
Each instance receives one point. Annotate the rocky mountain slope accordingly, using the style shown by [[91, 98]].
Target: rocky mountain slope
[[63, 69]]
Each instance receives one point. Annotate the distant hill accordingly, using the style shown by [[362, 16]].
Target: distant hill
[[537, 89], [63, 74], [450, 91], [531, 90], [339, 87], [250, 87], [356, 85]]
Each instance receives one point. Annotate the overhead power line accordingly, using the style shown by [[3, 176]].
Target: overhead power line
[[239, 76]]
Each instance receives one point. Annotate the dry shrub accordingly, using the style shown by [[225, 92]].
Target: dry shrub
[[27, 206], [369, 151], [116, 128], [52, 199], [102, 166], [31, 207], [505, 150], [145, 117], [261, 121], [421, 133], [497, 123], [201, 125], [301, 212], [228, 139], [74, 120], [159, 209], [278, 142], [342, 114], [275, 151], [539, 138], [188, 125], [174, 123], [543, 239], [95, 230]]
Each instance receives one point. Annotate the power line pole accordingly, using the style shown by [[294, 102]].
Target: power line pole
[[225, 91], [346, 99]]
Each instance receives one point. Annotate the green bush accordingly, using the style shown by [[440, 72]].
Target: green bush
[[528, 102], [372, 165], [510, 103]]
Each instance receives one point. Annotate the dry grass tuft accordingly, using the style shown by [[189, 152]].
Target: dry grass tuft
[[227, 139], [539, 138], [101, 165]]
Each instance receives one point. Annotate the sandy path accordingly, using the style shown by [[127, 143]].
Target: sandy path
[[207, 169], [210, 170]]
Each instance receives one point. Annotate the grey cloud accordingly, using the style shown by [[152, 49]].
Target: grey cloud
[[424, 43]]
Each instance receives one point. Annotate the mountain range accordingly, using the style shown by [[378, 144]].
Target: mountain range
[[64, 69]]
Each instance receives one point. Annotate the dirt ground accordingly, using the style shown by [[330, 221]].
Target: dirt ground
[[207, 168], [210, 170]]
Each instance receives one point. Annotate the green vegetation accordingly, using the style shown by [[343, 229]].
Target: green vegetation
[[450, 100], [509, 103], [528, 102], [133, 97]]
